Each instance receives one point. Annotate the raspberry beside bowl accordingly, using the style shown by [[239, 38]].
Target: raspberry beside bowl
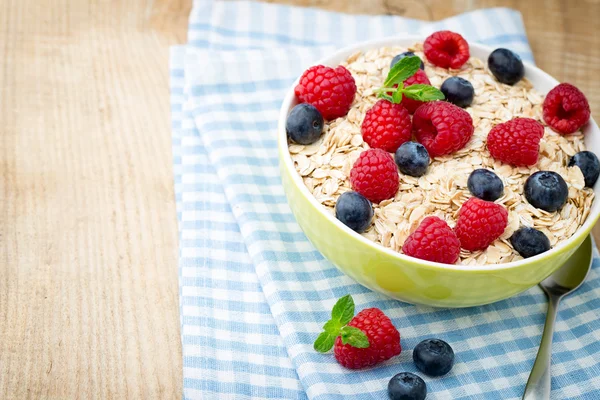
[[406, 278]]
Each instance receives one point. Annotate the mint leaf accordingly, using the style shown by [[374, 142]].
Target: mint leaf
[[354, 337], [341, 314], [324, 342], [343, 311], [402, 70], [386, 96], [423, 93], [333, 327], [397, 97]]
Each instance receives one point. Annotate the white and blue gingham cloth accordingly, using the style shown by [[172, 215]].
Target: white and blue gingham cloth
[[255, 293]]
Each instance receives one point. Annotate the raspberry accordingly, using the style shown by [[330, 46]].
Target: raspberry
[[479, 223], [433, 241], [384, 341], [330, 90], [375, 175], [516, 142], [566, 109], [446, 49], [420, 77], [442, 127], [386, 126]]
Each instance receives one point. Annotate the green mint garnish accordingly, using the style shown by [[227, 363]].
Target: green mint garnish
[[401, 71], [342, 313], [355, 337], [422, 92], [324, 342], [343, 310], [397, 97]]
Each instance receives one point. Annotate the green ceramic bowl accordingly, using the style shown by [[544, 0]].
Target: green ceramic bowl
[[406, 278]]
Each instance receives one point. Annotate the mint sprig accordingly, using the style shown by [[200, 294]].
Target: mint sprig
[[342, 313], [423, 92], [401, 71]]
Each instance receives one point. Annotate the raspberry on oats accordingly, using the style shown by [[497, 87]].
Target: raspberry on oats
[[386, 126], [446, 49], [516, 142], [442, 127], [375, 175], [566, 109], [434, 241], [330, 90], [479, 223]]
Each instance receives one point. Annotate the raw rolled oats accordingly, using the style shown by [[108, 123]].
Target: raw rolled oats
[[325, 165]]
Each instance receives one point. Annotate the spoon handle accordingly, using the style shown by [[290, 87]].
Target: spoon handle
[[538, 385]]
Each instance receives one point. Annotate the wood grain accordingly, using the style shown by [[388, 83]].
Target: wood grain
[[88, 286]]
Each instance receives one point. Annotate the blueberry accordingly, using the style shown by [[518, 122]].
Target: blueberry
[[433, 357], [589, 166], [407, 386], [354, 210], [412, 159], [529, 242], [485, 184], [304, 124], [506, 66], [546, 190], [458, 91], [401, 56]]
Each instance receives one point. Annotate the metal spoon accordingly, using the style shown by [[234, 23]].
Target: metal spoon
[[564, 281]]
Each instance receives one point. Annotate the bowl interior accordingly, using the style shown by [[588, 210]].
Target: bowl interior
[[541, 81]]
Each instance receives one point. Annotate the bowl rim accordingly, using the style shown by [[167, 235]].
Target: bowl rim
[[286, 160]]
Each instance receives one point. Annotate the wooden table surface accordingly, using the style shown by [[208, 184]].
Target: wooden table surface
[[88, 286]]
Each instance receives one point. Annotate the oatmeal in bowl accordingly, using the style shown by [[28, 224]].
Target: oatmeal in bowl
[[326, 164], [471, 159]]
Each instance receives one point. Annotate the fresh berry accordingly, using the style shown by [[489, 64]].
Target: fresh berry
[[420, 77], [442, 127], [375, 175], [384, 341], [331, 90], [516, 142], [304, 124], [506, 66], [485, 184], [386, 126], [402, 55], [588, 164], [434, 241], [546, 190], [458, 91], [566, 109], [433, 357], [412, 159], [446, 49], [529, 242], [479, 223], [361, 341], [354, 210], [407, 386]]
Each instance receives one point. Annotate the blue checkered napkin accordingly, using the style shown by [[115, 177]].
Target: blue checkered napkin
[[495, 344], [231, 345]]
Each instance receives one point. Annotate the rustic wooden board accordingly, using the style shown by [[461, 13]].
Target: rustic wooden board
[[88, 286]]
